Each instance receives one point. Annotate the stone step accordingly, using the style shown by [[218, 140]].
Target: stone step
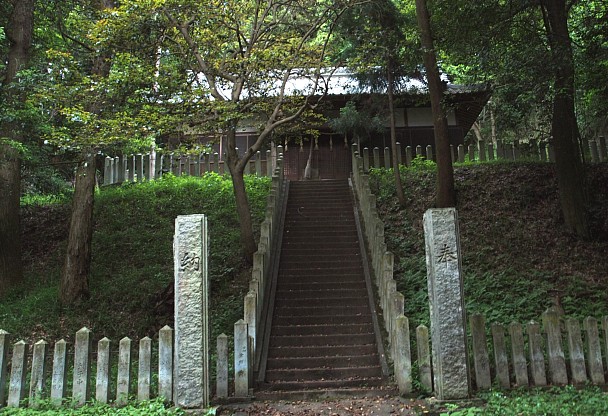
[[335, 373], [320, 278], [320, 241], [320, 319], [321, 303], [321, 340], [311, 351], [294, 270], [325, 390], [327, 329], [342, 264], [324, 293], [343, 361], [317, 284]]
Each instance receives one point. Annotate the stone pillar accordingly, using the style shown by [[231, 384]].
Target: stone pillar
[[190, 251], [448, 333]]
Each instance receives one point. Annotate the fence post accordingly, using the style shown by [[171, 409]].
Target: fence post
[[399, 157], [165, 363], [16, 391], [555, 352], [429, 152], [575, 348], [108, 171], [241, 358], [250, 307], [365, 159], [4, 346], [537, 358], [144, 372], [490, 151], [387, 158], [221, 390], [460, 153], [82, 366], [60, 374], [102, 380], [500, 355], [376, 152], [424, 357], [471, 153], [38, 375], [482, 151], [520, 366], [596, 369], [408, 156], [403, 355], [123, 382], [481, 360]]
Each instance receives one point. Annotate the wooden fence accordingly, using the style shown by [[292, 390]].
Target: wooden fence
[[542, 152], [142, 167], [77, 361]]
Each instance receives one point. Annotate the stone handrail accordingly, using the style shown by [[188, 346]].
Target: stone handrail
[[382, 262]]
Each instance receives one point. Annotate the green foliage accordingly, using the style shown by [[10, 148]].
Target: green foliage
[[132, 260], [556, 401], [147, 408], [507, 221]]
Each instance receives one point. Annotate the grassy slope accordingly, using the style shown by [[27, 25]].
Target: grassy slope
[[517, 260], [132, 265]]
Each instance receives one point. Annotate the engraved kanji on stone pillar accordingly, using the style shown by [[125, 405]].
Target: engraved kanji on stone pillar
[[190, 250], [448, 334]]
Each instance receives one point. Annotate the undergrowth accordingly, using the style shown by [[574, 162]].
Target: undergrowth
[[132, 265], [556, 401], [517, 259]]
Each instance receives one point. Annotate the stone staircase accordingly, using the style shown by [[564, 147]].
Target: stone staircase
[[322, 337]]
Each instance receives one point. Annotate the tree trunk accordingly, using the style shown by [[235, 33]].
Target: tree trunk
[[19, 33], [394, 151], [240, 196], [446, 195], [564, 127], [75, 276], [77, 264]]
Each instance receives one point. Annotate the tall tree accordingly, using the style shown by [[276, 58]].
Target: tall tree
[[245, 55], [564, 126], [101, 93], [377, 48], [19, 34], [446, 195]]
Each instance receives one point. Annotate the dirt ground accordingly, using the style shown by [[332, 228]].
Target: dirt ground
[[382, 405]]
